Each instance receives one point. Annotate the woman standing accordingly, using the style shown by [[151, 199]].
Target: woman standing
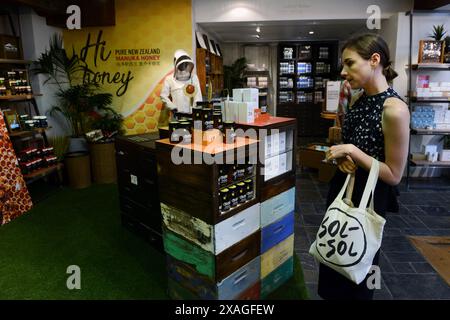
[[377, 126]]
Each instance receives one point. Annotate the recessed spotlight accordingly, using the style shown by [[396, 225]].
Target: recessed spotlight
[[258, 29], [311, 32]]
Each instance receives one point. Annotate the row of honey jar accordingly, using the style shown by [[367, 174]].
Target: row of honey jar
[[231, 173], [236, 194]]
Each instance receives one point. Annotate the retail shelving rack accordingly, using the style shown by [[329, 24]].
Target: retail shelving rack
[[413, 100], [303, 68]]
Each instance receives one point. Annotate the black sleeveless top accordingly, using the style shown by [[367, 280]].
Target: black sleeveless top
[[362, 123]]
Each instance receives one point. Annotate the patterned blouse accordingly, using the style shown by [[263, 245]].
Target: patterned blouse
[[362, 123]]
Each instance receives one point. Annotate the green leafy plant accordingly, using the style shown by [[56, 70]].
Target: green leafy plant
[[76, 99], [60, 145], [438, 32], [234, 75], [109, 122]]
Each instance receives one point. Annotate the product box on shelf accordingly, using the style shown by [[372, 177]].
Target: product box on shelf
[[231, 111], [246, 111], [444, 155], [246, 95]]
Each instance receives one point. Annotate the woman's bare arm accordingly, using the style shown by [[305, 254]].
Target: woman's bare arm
[[396, 140]]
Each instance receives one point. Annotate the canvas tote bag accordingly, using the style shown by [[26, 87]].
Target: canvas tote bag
[[348, 238]]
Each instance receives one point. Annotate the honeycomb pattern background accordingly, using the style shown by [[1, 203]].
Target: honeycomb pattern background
[[162, 24], [150, 115], [14, 197]]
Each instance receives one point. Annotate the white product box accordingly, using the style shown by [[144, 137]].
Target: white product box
[[439, 116], [437, 94], [282, 141], [275, 166], [445, 84], [431, 148], [444, 155], [434, 89], [443, 126], [447, 116], [246, 112], [231, 111], [237, 95], [433, 84], [250, 95]]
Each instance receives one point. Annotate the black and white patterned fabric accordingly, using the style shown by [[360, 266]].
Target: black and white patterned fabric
[[362, 123]]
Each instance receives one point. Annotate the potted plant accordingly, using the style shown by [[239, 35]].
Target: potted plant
[[432, 51], [234, 75], [76, 100], [106, 125]]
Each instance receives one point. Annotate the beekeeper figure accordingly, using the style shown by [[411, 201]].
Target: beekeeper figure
[[181, 91]]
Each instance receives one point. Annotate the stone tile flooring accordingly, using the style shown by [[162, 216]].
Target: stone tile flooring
[[405, 272]]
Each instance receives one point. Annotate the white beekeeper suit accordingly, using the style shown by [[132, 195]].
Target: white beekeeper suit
[[175, 86]]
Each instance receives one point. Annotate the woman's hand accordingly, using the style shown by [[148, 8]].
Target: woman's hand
[[346, 165], [339, 151]]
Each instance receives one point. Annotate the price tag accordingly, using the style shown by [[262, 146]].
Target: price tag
[[134, 179]]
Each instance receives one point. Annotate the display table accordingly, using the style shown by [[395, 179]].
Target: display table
[[276, 189], [211, 253]]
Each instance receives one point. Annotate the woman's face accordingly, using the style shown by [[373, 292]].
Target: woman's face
[[356, 70]]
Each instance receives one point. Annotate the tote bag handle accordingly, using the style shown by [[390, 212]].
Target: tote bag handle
[[370, 185], [368, 190]]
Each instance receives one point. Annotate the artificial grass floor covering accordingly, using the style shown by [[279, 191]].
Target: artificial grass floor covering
[[83, 228]]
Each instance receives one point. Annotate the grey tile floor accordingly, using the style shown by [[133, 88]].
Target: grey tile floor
[[405, 272]]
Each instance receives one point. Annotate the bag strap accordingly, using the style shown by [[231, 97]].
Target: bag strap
[[347, 187], [351, 184], [370, 185]]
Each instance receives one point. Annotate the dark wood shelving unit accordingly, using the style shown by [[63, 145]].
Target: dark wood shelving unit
[[308, 113]]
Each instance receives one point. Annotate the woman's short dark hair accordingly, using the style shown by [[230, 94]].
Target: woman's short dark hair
[[368, 44]]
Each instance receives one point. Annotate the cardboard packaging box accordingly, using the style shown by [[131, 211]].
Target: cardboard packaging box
[[246, 113], [237, 95], [250, 95], [444, 155], [231, 111]]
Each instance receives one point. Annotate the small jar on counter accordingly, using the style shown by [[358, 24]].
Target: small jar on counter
[[173, 135], [185, 126], [234, 196], [229, 133], [249, 189], [224, 203], [242, 191], [223, 175]]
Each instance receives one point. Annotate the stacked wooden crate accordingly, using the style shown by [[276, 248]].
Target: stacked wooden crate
[[210, 254], [277, 197]]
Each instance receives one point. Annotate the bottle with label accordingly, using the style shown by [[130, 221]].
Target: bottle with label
[[229, 133], [217, 119], [186, 128], [233, 195], [223, 175], [249, 189], [224, 203], [173, 134], [242, 192], [207, 119]]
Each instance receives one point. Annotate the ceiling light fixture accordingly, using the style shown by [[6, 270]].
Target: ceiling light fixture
[[258, 29], [257, 36], [311, 32]]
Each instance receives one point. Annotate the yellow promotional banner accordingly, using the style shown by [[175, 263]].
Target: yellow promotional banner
[[132, 58]]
